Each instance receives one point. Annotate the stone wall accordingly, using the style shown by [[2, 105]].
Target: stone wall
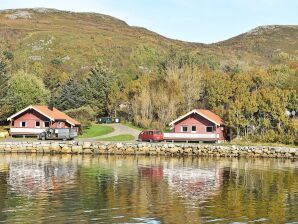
[[74, 147]]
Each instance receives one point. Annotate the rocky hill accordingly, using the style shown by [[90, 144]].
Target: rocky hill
[[48, 40], [268, 44]]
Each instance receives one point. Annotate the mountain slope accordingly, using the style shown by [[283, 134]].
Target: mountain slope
[[269, 43], [56, 42]]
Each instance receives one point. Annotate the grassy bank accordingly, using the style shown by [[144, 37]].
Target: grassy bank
[[96, 130], [131, 125]]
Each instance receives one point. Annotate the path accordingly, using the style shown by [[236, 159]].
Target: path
[[120, 129]]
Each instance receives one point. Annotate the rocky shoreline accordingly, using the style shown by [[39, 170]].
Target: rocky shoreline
[[166, 149]]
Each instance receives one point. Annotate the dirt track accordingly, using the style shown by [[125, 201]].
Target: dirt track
[[120, 129]]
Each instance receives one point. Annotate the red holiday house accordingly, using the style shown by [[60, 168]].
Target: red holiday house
[[197, 125], [35, 119]]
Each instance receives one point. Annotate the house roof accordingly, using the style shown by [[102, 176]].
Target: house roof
[[209, 115], [53, 115]]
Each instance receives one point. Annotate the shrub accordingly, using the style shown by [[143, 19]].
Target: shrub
[[56, 61], [85, 115], [8, 55]]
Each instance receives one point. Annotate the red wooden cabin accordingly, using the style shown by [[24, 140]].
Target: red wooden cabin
[[197, 125], [33, 120]]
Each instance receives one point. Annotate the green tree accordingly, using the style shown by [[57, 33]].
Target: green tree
[[97, 88], [71, 95], [25, 89]]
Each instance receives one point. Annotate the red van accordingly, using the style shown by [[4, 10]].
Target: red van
[[151, 135]]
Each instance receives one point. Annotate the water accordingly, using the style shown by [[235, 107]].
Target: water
[[117, 189]]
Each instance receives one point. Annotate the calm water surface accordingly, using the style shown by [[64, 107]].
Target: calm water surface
[[117, 189]]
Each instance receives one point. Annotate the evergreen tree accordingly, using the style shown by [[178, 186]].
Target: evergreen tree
[[97, 88], [71, 96]]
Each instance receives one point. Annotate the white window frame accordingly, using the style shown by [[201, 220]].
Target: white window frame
[[48, 123], [22, 125], [184, 127], [39, 124], [210, 127], [192, 130]]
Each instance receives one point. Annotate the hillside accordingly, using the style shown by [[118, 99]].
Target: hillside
[[76, 41], [268, 44], [53, 41]]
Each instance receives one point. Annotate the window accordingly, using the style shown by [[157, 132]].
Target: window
[[184, 129], [47, 124], [37, 124], [157, 133], [193, 128], [23, 124], [209, 129]]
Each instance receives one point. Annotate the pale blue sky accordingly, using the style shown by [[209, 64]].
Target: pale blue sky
[[203, 21]]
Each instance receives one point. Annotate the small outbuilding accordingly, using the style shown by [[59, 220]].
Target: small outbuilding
[[197, 125], [34, 120]]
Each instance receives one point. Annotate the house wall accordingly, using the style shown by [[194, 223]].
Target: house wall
[[30, 117], [200, 122]]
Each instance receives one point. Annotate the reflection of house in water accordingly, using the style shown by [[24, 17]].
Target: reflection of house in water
[[29, 178], [154, 172], [198, 183]]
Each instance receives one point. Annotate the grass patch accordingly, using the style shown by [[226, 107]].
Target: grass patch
[[4, 128], [96, 130], [117, 138], [131, 125]]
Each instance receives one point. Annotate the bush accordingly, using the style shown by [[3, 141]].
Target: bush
[[272, 136], [8, 55], [56, 61], [85, 115]]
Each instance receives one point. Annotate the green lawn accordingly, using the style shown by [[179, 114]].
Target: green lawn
[[118, 138], [131, 125], [96, 130]]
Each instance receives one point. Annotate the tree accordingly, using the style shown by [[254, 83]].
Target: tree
[[72, 95], [85, 115], [97, 87], [114, 99], [25, 89]]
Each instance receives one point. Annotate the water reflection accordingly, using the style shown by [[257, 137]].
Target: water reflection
[[117, 189], [25, 177]]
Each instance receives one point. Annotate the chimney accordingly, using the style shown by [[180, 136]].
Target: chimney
[[51, 106]]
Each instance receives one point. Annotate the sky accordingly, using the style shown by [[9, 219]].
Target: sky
[[204, 21]]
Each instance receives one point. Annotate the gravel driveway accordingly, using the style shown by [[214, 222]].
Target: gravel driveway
[[120, 129]]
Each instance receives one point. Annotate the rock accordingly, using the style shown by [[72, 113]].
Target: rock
[[88, 151], [119, 145], [77, 149], [86, 145], [66, 149]]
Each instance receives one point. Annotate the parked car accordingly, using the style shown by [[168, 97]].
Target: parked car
[[58, 134], [108, 120], [151, 135]]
